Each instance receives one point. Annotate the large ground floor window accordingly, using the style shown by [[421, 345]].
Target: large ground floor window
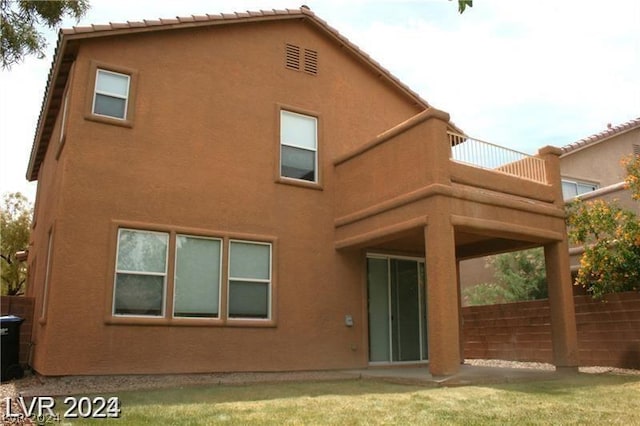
[[175, 275]]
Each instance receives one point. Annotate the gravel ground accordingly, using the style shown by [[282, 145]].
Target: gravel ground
[[32, 385], [544, 366]]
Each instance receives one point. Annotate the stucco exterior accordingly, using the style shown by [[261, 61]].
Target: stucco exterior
[[597, 159], [198, 154]]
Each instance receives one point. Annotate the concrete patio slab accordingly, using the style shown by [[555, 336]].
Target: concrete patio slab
[[468, 375]]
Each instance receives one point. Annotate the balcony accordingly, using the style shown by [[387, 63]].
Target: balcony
[[486, 155], [496, 198]]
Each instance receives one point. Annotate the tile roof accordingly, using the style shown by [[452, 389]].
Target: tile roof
[[65, 54], [599, 137]]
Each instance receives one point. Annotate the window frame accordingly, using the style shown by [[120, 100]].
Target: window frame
[[577, 184], [268, 281], [146, 273], [175, 272], [97, 92], [279, 178], [47, 277], [64, 117], [132, 88], [168, 319]]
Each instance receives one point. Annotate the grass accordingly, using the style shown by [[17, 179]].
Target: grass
[[581, 399]]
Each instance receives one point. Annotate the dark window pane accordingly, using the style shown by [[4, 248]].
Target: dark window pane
[[298, 163], [110, 106], [138, 294], [248, 299]]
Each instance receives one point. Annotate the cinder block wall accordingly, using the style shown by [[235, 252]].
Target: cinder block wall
[[22, 307], [608, 331]]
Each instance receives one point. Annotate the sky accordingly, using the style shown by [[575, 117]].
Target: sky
[[522, 74]]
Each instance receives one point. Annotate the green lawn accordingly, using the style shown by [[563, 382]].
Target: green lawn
[[580, 399]]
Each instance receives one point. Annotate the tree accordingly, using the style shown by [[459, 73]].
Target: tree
[[610, 236], [518, 276], [462, 5], [19, 22], [632, 181], [15, 227]]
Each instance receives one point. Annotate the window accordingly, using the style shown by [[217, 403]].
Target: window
[[197, 277], [47, 276], [63, 119], [141, 271], [298, 146], [249, 279], [111, 94], [146, 285], [571, 189]]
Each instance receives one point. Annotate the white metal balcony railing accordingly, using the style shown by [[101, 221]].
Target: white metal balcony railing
[[494, 157]]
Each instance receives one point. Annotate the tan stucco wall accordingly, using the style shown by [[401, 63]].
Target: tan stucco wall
[[600, 162], [202, 157]]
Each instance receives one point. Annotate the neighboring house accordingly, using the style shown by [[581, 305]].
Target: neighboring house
[[251, 192], [591, 169]]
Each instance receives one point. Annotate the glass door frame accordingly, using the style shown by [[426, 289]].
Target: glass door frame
[[422, 316]]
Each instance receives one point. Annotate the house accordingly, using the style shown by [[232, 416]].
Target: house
[[252, 192], [591, 169]]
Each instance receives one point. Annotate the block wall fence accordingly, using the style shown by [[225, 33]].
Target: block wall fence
[[608, 331]]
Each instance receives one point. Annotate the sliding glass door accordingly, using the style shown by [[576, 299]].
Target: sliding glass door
[[397, 309]]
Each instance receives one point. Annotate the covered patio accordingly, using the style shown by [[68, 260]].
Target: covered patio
[[413, 192]]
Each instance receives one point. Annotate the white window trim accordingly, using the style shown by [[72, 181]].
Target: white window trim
[[47, 277], [293, 145], [175, 270], [113, 95], [269, 281], [63, 119], [164, 282]]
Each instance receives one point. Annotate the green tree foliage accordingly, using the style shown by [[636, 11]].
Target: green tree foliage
[[15, 227], [518, 276], [632, 181], [463, 4], [20, 21], [610, 236]]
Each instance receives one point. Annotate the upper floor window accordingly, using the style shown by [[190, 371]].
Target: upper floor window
[[571, 189], [298, 146], [111, 94]]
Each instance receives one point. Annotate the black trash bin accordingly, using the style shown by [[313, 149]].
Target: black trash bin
[[10, 331]]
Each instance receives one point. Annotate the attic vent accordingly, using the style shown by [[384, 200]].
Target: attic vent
[[636, 149], [311, 61], [292, 57]]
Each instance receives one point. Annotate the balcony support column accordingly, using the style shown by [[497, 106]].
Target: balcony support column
[[442, 294], [563, 320]]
